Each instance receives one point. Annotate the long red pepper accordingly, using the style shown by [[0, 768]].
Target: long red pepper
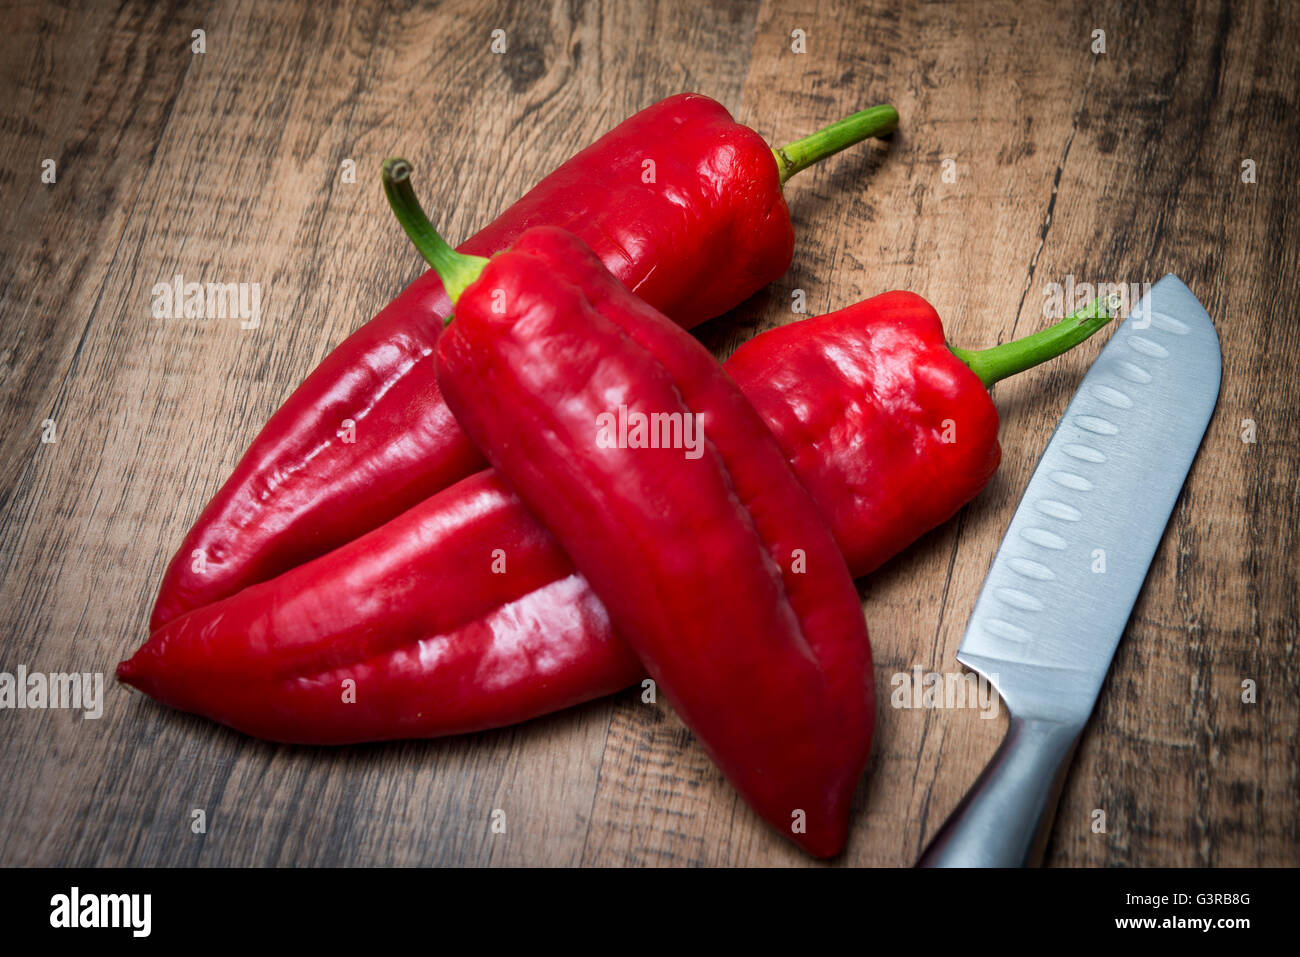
[[458, 615], [464, 614], [715, 568], [680, 202]]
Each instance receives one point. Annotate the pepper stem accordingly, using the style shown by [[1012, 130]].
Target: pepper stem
[[456, 270], [993, 365], [876, 121]]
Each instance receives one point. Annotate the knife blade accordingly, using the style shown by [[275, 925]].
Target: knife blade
[[1067, 574]]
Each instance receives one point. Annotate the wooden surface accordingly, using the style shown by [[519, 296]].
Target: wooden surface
[[1116, 167]]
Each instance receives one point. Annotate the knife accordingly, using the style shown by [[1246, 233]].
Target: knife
[[1068, 571]]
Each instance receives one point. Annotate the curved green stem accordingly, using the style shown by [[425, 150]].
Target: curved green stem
[[995, 364], [876, 121], [456, 270]]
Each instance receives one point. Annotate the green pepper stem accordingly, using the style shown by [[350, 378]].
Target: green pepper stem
[[876, 121], [993, 365], [456, 270]]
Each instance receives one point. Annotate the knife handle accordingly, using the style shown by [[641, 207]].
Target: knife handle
[[1006, 817]]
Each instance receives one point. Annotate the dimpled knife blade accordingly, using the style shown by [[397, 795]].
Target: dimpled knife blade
[[1065, 579]]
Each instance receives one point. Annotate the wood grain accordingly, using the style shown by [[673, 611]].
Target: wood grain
[[226, 166]]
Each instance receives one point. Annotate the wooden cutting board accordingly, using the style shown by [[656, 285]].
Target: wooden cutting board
[[1027, 158]]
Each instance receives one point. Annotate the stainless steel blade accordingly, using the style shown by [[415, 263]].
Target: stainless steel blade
[[1064, 581]]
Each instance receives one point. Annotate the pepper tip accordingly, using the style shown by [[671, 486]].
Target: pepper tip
[[127, 671]]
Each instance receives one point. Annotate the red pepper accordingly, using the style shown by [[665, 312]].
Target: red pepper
[[440, 633], [890, 432], [680, 202], [700, 560], [405, 632]]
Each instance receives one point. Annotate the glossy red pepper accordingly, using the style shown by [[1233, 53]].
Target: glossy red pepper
[[890, 432], [458, 615], [463, 613], [680, 202], [714, 567]]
